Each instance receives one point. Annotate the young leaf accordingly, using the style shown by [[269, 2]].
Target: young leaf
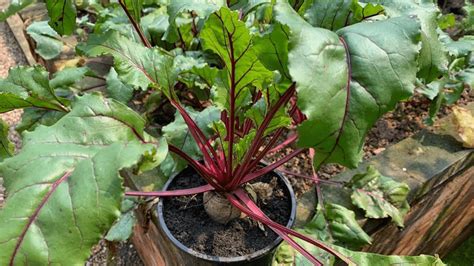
[[6, 147], [48, 42], [359, 75], [64, 189], [62, 16], [135, 64], [28, 87], [380, 196], [228, 37]]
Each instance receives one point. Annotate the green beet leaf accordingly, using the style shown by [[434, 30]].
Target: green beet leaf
[[134, 7], [33, 117], [6, 147], [28, 87], [63, 189], [229, 38], [135, 64], [344, 226], [380, 196], [272, 49], [202, 8], [48, 41], [123, 228], [364, 258], [381, 74], [62, 16], [116, 89], [333, 15], [432, 61], [69, 76]]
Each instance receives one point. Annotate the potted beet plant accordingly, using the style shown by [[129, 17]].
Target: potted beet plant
[[245, 79]]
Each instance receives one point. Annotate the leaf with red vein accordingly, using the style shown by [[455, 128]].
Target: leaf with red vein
[[63, 189], [357, 75]]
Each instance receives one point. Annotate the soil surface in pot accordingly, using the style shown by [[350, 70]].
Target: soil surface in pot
[[189, 223]]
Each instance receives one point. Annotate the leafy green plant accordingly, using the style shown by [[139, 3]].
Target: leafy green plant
[[458, 77], [260, 67]]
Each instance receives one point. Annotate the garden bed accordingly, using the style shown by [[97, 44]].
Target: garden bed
[[405, 121]]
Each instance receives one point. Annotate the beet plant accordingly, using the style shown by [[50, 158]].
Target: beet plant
[[326, 70]]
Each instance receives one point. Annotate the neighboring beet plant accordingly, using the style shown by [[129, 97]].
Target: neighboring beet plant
[[325, 70]]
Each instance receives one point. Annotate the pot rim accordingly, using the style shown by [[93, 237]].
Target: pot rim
[[248, 257]]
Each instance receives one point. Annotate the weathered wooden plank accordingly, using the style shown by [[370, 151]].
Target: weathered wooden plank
[[18, 29]]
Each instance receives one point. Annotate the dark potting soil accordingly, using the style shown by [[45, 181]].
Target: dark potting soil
[[189, 223]]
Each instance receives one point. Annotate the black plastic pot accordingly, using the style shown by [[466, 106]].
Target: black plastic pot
[[263, 256]]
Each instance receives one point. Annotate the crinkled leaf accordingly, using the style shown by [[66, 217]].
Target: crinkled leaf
[[229, 38], [344, 226], [116, 89], [62, 16], [380, 196], [462, 47], [341, 220], [135, 64], [64, 188], [432, 60], [48, 42], [33, 117], [28, 87], [363, 258], [381, 75], [338, 222], [432, 89], [333, 15], [123, 228], [6, 147], [14, 7], [114, 19]]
